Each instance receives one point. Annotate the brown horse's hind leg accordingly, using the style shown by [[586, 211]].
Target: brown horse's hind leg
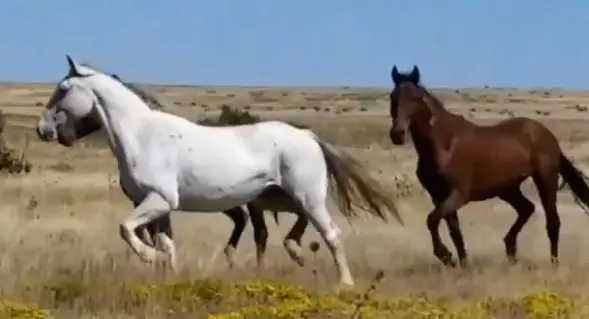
[[524, 209], [260, 232], [547, 184], [238, 216], [444, 210]]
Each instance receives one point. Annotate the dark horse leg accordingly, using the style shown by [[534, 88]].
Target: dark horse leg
[[436, 192], [456, 235], [524, 209], [239, 218], [292, 240], [276, 200], [546, 181], [260, 232], [446, 209]]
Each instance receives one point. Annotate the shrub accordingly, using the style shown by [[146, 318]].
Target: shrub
[[9, 309], [10, 161]]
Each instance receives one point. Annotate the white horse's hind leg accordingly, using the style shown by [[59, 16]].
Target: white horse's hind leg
[[151, 208], [331, 234]]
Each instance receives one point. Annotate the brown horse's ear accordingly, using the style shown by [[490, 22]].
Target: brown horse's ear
[[395, 75], [415, 75]]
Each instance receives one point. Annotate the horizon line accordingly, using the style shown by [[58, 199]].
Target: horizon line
[[312, 86]]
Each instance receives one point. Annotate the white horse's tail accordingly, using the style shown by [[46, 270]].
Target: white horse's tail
[[354, 185]]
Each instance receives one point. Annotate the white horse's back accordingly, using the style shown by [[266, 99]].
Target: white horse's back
[[219, 168]]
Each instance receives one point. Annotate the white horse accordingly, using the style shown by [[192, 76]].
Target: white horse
[[168, 163]]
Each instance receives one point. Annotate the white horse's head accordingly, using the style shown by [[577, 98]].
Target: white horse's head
[[71, 111], [69, 114]]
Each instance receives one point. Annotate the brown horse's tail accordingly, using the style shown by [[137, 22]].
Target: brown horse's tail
[[577, 182], [355, 186]]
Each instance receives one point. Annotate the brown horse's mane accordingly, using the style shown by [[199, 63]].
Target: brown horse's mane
[[437, 109], [432, 102], [434, 99]]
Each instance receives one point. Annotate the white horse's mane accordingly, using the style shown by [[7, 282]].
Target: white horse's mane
[[153, 102]]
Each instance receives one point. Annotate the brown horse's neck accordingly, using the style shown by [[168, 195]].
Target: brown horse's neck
[[421, 135], [435, 106], [433, 121]]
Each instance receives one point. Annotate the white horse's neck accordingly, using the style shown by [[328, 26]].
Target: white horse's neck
[[122, 114]]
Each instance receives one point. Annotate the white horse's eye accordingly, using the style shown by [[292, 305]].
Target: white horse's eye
[[59, 117]]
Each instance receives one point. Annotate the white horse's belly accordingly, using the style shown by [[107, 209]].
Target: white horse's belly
[[224, 182], [207, 198]]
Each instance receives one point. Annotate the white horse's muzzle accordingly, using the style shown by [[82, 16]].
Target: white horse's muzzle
[[45, 131]]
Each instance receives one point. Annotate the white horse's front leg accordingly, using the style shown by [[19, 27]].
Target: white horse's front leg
[[150, 209], [166, 244]]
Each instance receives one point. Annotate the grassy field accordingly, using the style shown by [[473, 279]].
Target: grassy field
[[62, 256]]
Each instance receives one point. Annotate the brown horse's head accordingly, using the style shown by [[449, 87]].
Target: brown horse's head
[[406, 100]]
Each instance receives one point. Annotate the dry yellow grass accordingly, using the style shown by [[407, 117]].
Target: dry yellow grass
[[61, 250]]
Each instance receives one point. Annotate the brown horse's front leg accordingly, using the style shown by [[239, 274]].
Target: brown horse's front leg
[[456, 235], [443, 210]]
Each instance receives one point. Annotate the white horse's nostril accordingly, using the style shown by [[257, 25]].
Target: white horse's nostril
[[43, 134], [39, 133]]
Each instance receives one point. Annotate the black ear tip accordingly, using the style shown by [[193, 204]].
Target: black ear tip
[[70, 61], [394, 72]]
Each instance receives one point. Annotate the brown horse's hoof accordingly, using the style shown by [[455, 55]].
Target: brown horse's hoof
[[464, 264], [555, 261], [229, 251], [449, 261], [294, 251], [512, 260]]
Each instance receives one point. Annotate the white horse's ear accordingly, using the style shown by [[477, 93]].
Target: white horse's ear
[[78, 69], [73, 65]]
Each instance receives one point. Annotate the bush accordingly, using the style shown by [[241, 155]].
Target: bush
[[10, 161], [9, 309], [232, 116], [217, 299]]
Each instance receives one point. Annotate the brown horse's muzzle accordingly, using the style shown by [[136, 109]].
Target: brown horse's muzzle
[[397, 135]]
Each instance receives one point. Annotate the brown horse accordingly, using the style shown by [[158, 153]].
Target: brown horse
[[459, 162]]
